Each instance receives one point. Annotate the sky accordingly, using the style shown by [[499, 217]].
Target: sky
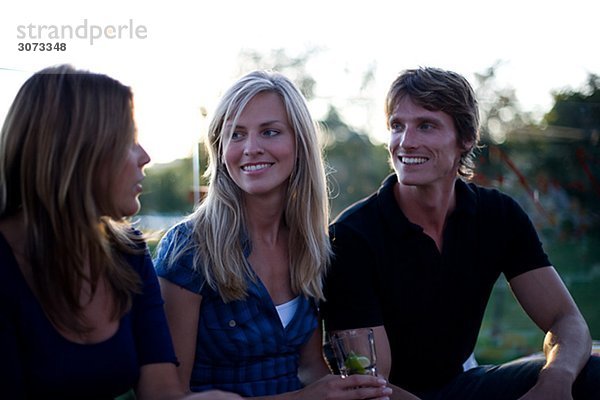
[[179, 56]]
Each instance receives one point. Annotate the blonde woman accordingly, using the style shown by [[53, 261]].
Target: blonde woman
[[242, 275], [81, 315]]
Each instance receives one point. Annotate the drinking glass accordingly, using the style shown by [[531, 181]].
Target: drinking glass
[[354, 352]]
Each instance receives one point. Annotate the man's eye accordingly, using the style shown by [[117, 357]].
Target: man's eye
[[395, 126]]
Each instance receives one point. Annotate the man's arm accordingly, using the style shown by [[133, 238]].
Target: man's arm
[[382, 351], [567, 344]]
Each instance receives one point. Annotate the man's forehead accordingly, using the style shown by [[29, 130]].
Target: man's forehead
[[406, 105]]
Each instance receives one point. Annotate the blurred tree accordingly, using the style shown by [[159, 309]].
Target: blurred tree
[[167, 188], [576, 162], [549, 166], [501, 120], [578, 109], [294, 67], [357, 165], [501, 113]]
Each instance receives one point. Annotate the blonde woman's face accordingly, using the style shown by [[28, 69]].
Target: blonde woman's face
[[260, 153]]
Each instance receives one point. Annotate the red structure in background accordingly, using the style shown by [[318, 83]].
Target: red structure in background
[[522, 180], [581, 158]]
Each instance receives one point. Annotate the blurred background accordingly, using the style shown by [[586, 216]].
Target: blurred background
[[534, 65]]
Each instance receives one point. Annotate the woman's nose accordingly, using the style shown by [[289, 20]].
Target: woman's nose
[[253, 145], [144, 157]]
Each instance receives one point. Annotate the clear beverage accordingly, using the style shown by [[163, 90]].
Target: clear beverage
[[354, 352]]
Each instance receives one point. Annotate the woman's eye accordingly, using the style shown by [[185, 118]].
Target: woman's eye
[[270, 132], [235, 135]]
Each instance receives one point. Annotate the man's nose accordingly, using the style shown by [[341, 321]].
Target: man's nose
[[409, 138]]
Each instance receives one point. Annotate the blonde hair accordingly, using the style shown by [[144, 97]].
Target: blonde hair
[[219, 221], [66, 131]]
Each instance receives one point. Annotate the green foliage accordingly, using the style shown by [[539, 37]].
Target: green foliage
[[574, 161], [578, 109], [507, 332], [553, 167], [499, 108], [294, 67], [168, 188], [358, 166]]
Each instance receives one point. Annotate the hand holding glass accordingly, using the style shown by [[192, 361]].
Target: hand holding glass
[[354, 352]]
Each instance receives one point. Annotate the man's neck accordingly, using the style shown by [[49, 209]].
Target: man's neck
[[427, 206]]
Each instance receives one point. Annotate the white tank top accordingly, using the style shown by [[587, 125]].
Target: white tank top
[[287, 310]]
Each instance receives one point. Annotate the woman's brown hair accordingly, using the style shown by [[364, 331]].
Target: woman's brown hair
[[66, 132]]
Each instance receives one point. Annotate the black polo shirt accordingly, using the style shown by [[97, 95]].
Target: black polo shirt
[[387, 271]]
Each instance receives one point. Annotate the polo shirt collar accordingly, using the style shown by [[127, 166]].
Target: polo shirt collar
[[391, 213], [466, 198], [466, 202]]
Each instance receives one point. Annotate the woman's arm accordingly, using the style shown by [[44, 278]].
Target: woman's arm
[[182, 308], [312, 362], [160, 382], [164, 381], [321, 384]]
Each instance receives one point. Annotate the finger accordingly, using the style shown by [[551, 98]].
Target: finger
[[372, 392], [365, 380]]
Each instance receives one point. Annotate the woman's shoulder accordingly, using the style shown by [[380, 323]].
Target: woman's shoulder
[[177, 257], [180, 232], [179, 239]]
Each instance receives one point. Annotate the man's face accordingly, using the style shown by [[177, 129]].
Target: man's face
[[423, 145]]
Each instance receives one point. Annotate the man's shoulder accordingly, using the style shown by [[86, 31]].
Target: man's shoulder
[[358, 211], [487, 198], [368, 207], [490, 206], [366, 214]]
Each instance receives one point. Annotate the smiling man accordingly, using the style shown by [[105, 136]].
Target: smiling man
[[417, 260]]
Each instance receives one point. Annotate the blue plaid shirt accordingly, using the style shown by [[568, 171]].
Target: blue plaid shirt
[[241, 346]]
